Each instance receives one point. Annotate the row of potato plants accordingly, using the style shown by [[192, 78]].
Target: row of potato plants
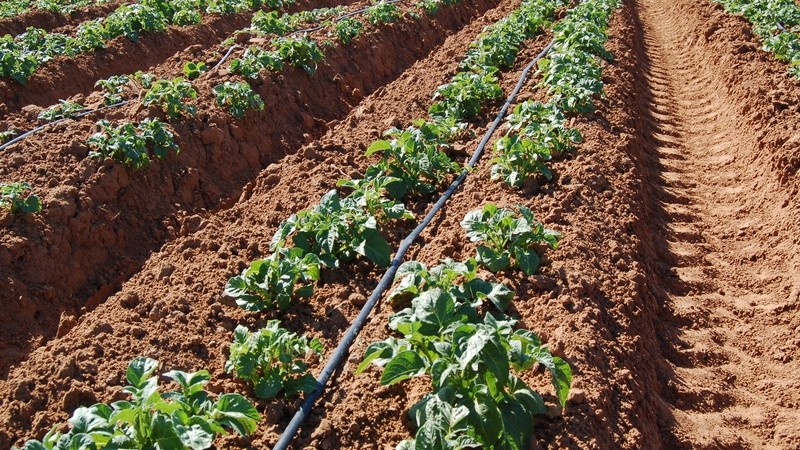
[[571, 74], [22, 55], [271, 358], [474, 390], [776, 23], [470, 406], [13, 8], [136, 144]]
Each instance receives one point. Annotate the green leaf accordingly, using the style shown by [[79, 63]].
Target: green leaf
[[375, 248], [527, 260], [140, 369], [378, 146], [404, 365], [164, 434], [491, 259], [236, 412]]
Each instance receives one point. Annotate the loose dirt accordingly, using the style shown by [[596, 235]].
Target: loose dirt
[[674, 294]]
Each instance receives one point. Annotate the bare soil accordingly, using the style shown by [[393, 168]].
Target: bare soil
[[674, 294]]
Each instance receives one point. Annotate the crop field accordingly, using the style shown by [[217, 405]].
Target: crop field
[[399, 224]]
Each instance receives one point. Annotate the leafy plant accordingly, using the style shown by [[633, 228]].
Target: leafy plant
[[476, 401], [18, 198], [254, 60], [272, 359], [237, 97], [192, 69], [184, 419], [131, 20], [347, 29], [382, 12], [301, 52], [505, 235], [457, 279], [114, 87], [270, 23], [463, 96], [64, 110], [169, 95], [7, 135], [370, 193], [336, 229], [130, 144], [274, 281], [15, 63], [414, 156]]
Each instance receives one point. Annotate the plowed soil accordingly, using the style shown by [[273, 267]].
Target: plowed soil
[[674, 294]]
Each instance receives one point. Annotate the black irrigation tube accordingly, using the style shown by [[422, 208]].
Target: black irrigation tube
[[56, 122], [342, 350], [224, 58]]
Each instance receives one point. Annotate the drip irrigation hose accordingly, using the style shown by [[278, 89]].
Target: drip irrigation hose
[[343, 348], [56, 122]]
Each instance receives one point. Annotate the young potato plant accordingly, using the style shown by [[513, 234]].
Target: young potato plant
[[272, 358], [193, 69], [371, 194], [508, 239], [170, 96], [457, 279], [301, 52], [130, 144], [347, 29], [186, 419], [254, 60], [273, 282], [18, 198], [572, 73], [8, 135], [335, 230], [114, 88], [477, 401], [464, 95], [269, 22], [382, 12], [537, 132], [414, 156], [237, 97], [64, 110]]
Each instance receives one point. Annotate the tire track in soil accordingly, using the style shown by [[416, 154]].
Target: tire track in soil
[[725, 269], [172, 308]]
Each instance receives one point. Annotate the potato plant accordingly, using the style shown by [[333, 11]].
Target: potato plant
[[132, 144], [18, 198], [238, 98], [272, 359], [507, 239], [273, 282], [186, 419]]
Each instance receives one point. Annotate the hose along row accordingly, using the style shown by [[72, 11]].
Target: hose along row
[[227, 55], [386, 280]]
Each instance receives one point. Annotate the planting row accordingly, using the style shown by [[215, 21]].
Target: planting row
[[22, 55], [447, 333], [776, 23], [12, 8]]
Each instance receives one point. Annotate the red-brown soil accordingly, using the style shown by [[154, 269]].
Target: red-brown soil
[[673, 294]]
